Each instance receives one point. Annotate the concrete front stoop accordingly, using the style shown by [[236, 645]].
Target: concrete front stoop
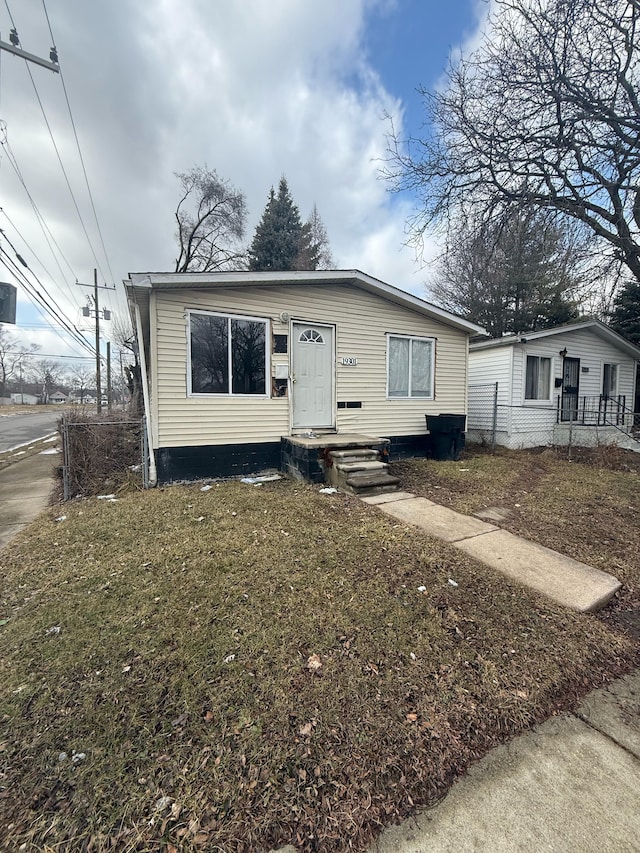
[[359, 471]]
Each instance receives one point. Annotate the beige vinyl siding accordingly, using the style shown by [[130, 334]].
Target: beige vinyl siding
[[362, 320]]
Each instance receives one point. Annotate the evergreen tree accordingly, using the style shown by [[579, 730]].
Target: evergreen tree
[[625, 316], [277, 240], [283, 242]]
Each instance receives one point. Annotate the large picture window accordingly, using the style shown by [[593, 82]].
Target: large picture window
[[228, 355], [538, 380], [410, 366]]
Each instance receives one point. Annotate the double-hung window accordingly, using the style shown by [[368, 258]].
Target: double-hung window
[[410, 363], [610, 380], [227, 354], [538, 378]]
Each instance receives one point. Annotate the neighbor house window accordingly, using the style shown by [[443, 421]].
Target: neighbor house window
[[610, 380], [410, 366], [228, 355], [538, 381]]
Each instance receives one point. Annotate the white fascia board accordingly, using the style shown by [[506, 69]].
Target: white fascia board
[[302, 278]]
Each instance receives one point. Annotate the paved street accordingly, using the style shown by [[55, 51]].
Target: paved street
[[21, 428]]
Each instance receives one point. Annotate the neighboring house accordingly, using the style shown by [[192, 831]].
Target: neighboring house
[[58, 397], [236, 365], [25, 399], [570, 384]]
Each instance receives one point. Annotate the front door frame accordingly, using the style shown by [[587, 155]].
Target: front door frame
[[331, 427], [568, 411]]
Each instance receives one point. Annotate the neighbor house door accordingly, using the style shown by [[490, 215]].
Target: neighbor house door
[[312, 376], [570, 387]]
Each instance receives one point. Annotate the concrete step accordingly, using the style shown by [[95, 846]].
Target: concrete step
[[354, 454], [351, 467], [366, 480]]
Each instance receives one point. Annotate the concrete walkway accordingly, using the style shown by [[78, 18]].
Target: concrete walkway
[[25, 487], [560, 578], [571, 785]]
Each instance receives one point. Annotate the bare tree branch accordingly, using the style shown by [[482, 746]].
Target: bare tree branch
[[211, 217], [544, 112]]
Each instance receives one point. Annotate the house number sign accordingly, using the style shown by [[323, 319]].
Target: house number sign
[[349, 360]]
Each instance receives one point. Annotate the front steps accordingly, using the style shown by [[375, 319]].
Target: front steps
[[359, 471]]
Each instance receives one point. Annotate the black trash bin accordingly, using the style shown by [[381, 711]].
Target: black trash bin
[[447, 435]]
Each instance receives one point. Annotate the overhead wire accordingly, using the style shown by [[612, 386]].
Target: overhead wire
[[51, 307], [119, 297], [73, 293], [48, 301], [33, 298]]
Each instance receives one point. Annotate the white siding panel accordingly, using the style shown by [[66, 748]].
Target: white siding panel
[[533, 423], [362, 322]]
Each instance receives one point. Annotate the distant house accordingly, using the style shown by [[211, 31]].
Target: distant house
[[244, 371], [574, 383], [25, 399], [58, 397]]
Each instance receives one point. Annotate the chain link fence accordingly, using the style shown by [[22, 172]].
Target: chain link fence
[[482, 412], [99, 456]]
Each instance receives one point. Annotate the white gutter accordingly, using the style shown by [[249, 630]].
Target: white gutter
[[153, 473]]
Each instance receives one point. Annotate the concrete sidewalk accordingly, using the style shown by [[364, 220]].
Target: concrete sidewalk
[[560, 578], [571, 785], [25, 487]]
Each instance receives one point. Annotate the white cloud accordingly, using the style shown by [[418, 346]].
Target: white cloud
[[252, 89]]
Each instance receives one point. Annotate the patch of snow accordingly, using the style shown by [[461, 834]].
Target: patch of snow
[[49, 452], [329, 490], [452, 582]]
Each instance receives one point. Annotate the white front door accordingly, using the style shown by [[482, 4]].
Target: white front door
[[312, 371]]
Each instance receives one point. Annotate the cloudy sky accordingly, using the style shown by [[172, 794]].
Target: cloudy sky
[[252, 88]]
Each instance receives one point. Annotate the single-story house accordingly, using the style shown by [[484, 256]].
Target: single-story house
[[58, 397], [246, 371], [25, 399], [570, 384]]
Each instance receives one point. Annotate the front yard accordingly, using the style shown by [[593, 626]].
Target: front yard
[[242, 667]]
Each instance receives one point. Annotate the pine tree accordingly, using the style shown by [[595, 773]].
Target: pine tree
[[625, 316], [277, 239], [283, 242]]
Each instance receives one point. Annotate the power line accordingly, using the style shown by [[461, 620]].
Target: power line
[[47, 302], [54, 57]]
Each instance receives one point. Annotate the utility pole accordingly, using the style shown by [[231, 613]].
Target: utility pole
[[105, 315], [97, 307], [109, 376], [12, 46]]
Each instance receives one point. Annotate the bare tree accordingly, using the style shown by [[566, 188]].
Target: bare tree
[[211, 217], [545, 111], [12, 354], [48, 374], [523, 271], [315, 249], [81, 378], [125, 339]]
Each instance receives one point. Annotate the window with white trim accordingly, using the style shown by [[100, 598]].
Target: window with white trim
[[410, 366], [610, 380], [538, 379], [227, 354]]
